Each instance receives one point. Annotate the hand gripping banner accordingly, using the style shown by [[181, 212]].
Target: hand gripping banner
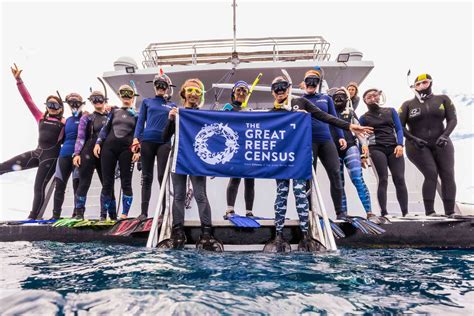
[[272, 145]]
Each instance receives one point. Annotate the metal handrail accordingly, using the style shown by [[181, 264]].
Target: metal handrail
[[220, 50]]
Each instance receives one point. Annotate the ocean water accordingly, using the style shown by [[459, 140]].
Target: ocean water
[[50, 278]]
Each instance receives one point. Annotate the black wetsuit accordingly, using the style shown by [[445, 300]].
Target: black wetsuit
[[388, 134], [115, 139], [149, 131], [425, 123], [234, 183], [179, 187], [44, 157], [88, 132]]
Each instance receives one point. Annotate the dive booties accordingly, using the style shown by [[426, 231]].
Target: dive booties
[[56, 215], [208, 242], [177, 239], [79, 213], [309, 244], [279, 244]]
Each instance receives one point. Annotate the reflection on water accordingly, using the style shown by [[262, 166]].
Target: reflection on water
[[51, 278]]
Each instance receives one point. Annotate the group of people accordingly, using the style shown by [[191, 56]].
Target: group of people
[[119, 136]]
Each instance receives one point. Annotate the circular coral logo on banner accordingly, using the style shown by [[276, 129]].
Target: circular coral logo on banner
[[201, 146]]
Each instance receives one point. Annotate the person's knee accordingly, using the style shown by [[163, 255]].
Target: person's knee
[[147, 179], [200, 196], [383, 181]]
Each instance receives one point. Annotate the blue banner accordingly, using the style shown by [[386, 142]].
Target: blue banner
[[272, 145]]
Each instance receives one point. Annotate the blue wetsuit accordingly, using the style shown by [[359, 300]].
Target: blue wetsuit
[[325, 149], [151, 122], [64, 167]]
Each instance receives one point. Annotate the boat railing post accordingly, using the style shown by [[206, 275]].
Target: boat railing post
[[165, 232], [315, 223], [152, 238], [51, 185], [327, 225]]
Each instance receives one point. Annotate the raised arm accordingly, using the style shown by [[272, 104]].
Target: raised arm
[[37, 114]]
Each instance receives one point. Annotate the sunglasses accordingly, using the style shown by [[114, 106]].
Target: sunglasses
[[190, 90], [312, 81], [280, 86], [160, 84], [242, 90], [96, 99], [127, 94], [423, 83], [75, 104], [53, 105]]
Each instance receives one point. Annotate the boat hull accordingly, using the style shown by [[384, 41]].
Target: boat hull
[[437, 234]]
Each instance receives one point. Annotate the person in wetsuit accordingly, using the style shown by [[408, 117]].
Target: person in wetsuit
[[323, 146], [429, 147], [192, 93], [351, 156], [353, 89], [280, 90], [90, 126], [386, 148], [44, 157], [239, 94], [65, 167], [114, 145], [148, 138]]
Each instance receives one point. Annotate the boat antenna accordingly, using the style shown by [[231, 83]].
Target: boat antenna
[[235, 55], [234, 6]]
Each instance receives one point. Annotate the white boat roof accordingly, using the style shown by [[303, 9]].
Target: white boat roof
[[213, 61]]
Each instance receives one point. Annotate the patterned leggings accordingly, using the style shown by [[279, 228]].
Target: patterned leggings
[[351, 159], [302, 206]]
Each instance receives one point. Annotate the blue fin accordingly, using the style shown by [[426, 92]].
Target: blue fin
[[243, 221], [31, 221]]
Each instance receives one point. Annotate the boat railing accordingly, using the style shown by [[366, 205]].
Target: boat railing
[[268, 49]]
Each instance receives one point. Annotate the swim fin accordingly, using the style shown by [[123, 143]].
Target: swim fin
[[354, 222], [30, 221], [336, 230], [66, 222], [243, 221], [279, 244], [176, 241], [145, 225], [366, 226], [208, 242], [124, 227], [309, 244]]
